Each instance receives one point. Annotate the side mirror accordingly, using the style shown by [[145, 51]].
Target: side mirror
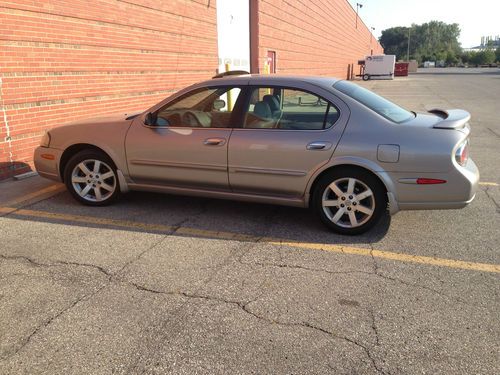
[[219, 104], [150, 119]]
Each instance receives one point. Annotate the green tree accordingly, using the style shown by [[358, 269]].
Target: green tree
[[483, 57], [497, 54], [451, 59], [433, 40], [466, 57], [395, 41]]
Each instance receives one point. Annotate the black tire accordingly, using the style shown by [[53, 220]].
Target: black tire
[[364, 182], [99, 184], [366, 77]]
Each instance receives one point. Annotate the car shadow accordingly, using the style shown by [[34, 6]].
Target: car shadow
[[199, 217], [493, 72], [12, 168]]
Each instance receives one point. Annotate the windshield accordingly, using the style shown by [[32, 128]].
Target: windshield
[[375, 102]]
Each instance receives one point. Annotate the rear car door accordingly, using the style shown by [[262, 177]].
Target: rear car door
[[186, 143], [287, 133]]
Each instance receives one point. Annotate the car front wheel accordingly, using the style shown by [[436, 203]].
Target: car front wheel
[[91, 178], [349, 202]]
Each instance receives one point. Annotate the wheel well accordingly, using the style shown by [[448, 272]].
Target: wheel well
[[73, 150], [349, 167]]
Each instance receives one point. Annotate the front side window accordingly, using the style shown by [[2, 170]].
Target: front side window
[[203, 108], [376, 103], [290, 109]]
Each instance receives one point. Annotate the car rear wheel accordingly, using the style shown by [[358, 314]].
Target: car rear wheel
[[349, 202], [90, 176]]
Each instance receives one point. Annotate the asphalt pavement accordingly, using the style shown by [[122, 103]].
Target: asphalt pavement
[[161, 284]]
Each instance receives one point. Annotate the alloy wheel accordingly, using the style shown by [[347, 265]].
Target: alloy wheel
[[348, 202], [93, 180]]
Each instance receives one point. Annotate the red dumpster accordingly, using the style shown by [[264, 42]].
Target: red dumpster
[[401, 69]]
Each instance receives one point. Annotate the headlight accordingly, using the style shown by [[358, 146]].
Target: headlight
[[45, 141]]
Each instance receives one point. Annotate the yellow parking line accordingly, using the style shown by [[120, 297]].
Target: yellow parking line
[[43, 193], [488, 183], [388, 255]]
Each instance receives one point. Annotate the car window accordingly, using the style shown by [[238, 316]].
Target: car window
[[203, 108], [376, 103], [288, 109]]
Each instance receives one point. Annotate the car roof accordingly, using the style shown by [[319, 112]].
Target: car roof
[[271, 79]]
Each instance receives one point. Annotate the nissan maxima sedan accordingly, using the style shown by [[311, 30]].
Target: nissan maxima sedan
[[317, 142]]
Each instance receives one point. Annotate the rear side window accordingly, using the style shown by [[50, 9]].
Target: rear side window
[[376, 103], [288, 109]]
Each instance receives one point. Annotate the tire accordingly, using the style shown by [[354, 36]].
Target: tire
[[91, 178], [366, 77], [349, 201]]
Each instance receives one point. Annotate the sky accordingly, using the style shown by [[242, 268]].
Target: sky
[[476, 18]]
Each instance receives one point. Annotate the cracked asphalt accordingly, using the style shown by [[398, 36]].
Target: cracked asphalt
[[148, 296]]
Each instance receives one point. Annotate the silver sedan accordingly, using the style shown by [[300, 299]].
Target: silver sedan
[[317, 142]]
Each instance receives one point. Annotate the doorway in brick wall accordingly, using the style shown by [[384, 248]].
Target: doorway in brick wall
[[233, 35], [271, 61]]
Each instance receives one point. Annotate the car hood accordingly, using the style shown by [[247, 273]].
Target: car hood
[[107, 119]]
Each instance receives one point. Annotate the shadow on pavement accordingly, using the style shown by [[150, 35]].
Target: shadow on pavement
[[493, 72], [155, 212], [12, 168]]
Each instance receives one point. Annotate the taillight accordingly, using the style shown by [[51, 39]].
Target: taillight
[[462, 154]]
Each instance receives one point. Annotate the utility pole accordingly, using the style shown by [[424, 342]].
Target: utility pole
[[358, 5], [408, 50]]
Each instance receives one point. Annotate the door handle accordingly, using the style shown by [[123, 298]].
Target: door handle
[[319, 146], [214, 141]]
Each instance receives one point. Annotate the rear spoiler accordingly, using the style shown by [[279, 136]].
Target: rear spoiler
[[451, 118]]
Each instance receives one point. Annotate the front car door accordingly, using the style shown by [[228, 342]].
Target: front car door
[[185, 145], [287, 134]]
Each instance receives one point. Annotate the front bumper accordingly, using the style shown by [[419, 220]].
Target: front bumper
[[47, 161]]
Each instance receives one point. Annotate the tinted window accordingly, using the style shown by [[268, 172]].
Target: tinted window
[[375, 102], [205, 108], [290, 109]]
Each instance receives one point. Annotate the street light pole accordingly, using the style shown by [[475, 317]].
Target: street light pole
[[358, 5], [408, 50]]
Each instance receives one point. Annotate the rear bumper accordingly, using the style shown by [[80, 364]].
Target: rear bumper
[[434, 205], [458, 191], [47, 167]]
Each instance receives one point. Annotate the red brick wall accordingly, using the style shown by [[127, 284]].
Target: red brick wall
[[313, 37], [61, 60]]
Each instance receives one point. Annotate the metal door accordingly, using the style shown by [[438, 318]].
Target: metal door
[[280, 162], [186, 157]]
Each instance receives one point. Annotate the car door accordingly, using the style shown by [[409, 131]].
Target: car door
[[287, 133], [185, 142]]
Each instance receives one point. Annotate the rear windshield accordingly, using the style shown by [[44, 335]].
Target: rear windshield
[[375, 102]]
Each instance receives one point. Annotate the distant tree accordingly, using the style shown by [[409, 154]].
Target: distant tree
[[395, 41], [488, 56], [465, 57], [433, 40], [451, 59], [497, 54], [484, 57]]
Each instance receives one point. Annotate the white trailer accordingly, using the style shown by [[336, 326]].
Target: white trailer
[[379, 67]]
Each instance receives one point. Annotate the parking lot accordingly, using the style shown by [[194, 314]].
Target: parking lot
[[166, 284]]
